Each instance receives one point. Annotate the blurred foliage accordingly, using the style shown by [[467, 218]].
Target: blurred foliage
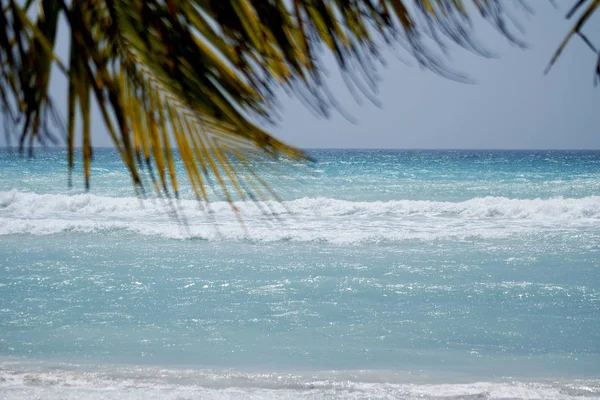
[[200, 77]]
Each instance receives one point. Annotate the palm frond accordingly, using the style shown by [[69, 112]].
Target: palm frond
[[201, 76], [589, 7]]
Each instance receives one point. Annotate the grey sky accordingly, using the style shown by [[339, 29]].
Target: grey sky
[[513, 105]]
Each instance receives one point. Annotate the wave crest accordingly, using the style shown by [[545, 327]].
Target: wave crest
[[306, 219]]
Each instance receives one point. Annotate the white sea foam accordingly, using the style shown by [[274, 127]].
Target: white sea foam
[[305, 219], [20, 380]]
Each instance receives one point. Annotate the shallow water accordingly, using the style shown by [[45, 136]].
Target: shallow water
[[387, 274]]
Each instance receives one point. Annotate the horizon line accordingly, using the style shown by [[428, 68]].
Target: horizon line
[[38, 147]]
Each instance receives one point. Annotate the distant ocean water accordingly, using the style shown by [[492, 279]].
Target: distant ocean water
[[386, 274]]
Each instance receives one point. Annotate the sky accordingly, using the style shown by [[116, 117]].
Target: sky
[[512, 105]]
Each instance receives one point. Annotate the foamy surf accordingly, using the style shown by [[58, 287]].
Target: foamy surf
[[20, 380], [305, 219]]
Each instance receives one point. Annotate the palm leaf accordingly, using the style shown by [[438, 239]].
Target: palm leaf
[[591, 7], [199, 76]]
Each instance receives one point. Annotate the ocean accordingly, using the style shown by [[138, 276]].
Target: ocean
[[382, 274]]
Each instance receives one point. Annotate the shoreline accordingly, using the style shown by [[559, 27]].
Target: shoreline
[[422, 376], [71, 381]]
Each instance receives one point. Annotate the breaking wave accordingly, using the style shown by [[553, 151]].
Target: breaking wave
[[65, 381], [306, 219]]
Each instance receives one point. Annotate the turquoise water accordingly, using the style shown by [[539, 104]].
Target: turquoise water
[[386, 274]]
